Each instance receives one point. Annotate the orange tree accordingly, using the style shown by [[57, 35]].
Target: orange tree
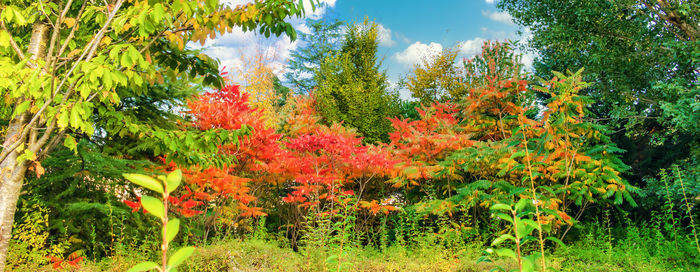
[[498, 146]]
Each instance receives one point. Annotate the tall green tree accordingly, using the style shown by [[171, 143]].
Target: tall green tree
[[353, 90], [641, 56], [323, 40], [64, 62]]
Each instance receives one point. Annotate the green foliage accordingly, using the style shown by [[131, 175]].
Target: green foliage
[[509, 163], [159, 208], [351, 88], [323, 41], [522, 217], [642, 60], [78, 192]]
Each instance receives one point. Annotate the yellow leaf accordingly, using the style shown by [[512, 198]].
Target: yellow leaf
[[70, 22], [106, 40], [73, 53]]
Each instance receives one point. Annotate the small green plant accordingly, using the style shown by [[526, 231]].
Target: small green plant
[[342, 227], [688, 209], [159, 208], [522, 227]]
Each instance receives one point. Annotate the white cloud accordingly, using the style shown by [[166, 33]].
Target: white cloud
[[498, 16], [384, 36], [489, 1], [416, 52], [229, 47], [528, 56], [402, 38], [471, 47]]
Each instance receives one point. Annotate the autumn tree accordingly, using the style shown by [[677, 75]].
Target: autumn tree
[[352, 89], [436, 78], [326, 167], [497, 62], [256, 77], [496, 143], [63, 63]]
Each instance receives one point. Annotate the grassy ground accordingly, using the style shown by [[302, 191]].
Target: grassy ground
[[634, 247], [255, 255]]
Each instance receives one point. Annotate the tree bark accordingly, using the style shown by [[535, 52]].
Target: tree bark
[[12, 176], [11, 172]]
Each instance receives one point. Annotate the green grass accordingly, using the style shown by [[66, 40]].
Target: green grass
[[596, 247], [256, 255]]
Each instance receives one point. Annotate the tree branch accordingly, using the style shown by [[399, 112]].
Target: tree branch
[[72, 31], [14, 45]]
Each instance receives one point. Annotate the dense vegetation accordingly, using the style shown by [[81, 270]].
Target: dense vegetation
[[126, 150]]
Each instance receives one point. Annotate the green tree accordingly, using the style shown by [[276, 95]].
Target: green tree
[[639, 55], [282, 92], [353, 90], [324, 40], [63, 63]]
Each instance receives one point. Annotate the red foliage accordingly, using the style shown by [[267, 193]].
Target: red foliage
[[419, 144], [72, 260], [228, 109], [322, 160]]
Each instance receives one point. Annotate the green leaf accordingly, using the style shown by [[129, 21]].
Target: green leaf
[[522, 203], [145, 181], [158, 12], [4, 38], [19, 19], [505, 217], [531, 223], [63, 119], [180, 256], [505, 252], [500, 206], [518, 154], [502, 238], [173, 180], [74, 117], [144, 266], [125, 61], [171, 229], [22, 107], [556, 240], [528, 265], [523, 230], [153, 206], [7, 13], [70, 143]]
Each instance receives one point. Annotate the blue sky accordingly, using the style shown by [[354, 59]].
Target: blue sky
[[409, 31]]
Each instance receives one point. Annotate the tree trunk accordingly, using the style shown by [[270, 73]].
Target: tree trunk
[[12, 172], [11, 176]]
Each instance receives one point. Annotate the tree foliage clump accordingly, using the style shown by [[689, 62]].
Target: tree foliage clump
[[489, 149], [351, 87], [323, 41], [641, 58], [437, 78], [65, 64]]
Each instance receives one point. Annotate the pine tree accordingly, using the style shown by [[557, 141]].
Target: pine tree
[[353, 90]]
